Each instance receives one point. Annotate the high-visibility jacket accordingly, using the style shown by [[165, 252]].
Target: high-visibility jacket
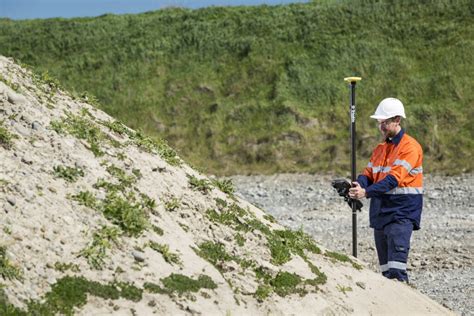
[[393, 180]]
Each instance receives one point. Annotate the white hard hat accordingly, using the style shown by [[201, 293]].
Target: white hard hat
[[388, 108]]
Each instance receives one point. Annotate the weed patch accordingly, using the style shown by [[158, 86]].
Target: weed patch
[[82, 128], [71, 292], [6, 138], [45, 79], [214, 253], [86, 198], [286, 283], [269, 218], [128, 213], [63, 267], [285, 242], [225, 186], [201, 185], [343, 289], [182, 284], [102, 240], [158, 146], [263, 291], [239, 239], [128, 291], [7, 269], [158, 230], [172, 204], [154, 288], [70, 174]]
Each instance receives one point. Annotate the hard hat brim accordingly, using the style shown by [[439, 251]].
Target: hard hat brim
[[379, 117], [384, 117]]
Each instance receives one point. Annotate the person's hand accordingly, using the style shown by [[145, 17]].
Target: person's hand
[[357, 192]]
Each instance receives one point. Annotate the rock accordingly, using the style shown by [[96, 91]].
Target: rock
[[37, 126], [22, 130], [11, 200], [26, 160], [138, 256], [16, 98]]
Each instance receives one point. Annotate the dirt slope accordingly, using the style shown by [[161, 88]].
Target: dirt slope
[[98, 219]]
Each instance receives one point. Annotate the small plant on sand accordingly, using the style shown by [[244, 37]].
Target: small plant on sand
[[169, 256], [344, 289], [215, 253], [158, 146], [82, 128], [285, 242], [172, 204], [225, 186], [342, 258], [102, 240], [86, 198], [201, 185], [70, 174], [269, 218], [239, 239], [128, 212], [157, 230], [63, 267]]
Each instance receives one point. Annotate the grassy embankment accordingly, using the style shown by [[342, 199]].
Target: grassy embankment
[[259, 89]]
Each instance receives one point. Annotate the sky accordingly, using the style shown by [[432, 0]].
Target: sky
[[32, 9]]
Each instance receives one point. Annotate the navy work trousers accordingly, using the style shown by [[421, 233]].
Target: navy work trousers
[[393, 243]]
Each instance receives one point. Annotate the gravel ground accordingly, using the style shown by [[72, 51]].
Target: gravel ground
[[441, 255]]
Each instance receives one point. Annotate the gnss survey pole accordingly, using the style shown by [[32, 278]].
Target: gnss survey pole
[[353, 81]]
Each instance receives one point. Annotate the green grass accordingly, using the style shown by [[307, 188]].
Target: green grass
[[259, 89]]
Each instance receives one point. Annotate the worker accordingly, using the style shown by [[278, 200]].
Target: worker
[[393, 180]]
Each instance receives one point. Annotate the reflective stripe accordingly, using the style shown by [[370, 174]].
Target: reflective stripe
[[384, 267], [369, 165], [416, 170], [405, 190], [403, 163], [397, 265], [381, 169]]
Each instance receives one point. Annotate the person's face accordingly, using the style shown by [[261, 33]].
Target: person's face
[[388, 127]]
